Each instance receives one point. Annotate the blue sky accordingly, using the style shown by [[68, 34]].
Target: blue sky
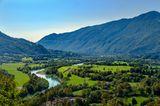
[[33, 19]]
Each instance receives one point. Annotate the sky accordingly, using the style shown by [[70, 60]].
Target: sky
[[34, 19]]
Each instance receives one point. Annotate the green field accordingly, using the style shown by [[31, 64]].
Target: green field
[[138, 99], [99, 68], [27, 59], [110, 68], [63, 69], [75, 80], [78, 93], [134, 84], [20, 78], [35, 65], [96, 104]]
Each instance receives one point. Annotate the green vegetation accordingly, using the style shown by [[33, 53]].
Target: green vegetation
[[7, 90], [20, 78], [35, 65], [76, 80], [105, 83], [109, 68], [25, 59], [34, 85], [26, 68], [78, 93], [138, 99]]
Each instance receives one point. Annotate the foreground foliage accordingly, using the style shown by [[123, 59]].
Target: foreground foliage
[[7, 90]]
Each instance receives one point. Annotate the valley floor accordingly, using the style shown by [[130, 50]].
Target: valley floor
[[113, 84]]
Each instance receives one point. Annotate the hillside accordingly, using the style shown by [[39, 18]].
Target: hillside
[[11, 45], [135, 36]]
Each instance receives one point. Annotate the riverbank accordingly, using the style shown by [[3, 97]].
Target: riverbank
[[52, 80]]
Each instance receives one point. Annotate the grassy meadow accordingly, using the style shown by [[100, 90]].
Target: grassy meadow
[[109, 68], [138, 99], [20, 77], [75, 80]]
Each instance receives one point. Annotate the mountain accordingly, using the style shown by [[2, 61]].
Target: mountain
[[134, 36], [9, 45]]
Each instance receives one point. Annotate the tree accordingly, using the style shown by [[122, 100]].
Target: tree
[[86, 92], [134, 101], [23, 92], [148, 90], [123, 89], [80, 102], [114, 102], [69, 75], [156, 88], [60, 75], [7, 90], [95, 96], [104, 98]]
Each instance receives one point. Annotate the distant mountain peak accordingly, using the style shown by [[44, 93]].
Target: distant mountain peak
[[152, 12], [53, 34], [149, 15]]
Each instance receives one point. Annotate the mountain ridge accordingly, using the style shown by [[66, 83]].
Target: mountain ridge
[[124, 36], [10, 45]]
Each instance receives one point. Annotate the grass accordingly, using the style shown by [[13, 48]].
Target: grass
[[110, 68], [134, 84], [35, 65], [20, 78], [156, 66], [63, 69], [96, 104], [120, 62], [138, 99], [75, 80], [27, 59], [78, 93]]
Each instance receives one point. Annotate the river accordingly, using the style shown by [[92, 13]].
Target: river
[[51, 80]]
